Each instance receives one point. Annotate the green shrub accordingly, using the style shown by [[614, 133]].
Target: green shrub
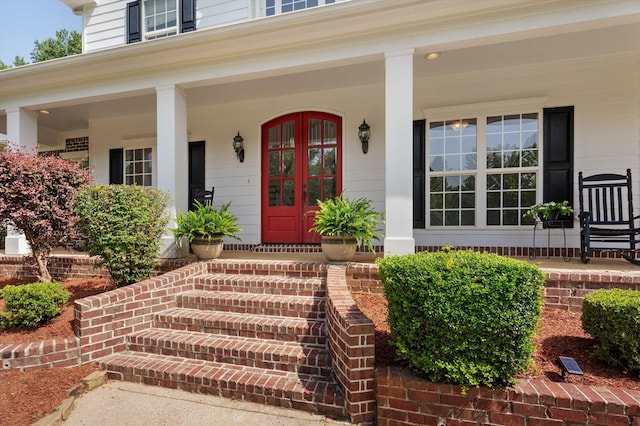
[[612, 317], [463, 317], [123, 224], [30, 305]]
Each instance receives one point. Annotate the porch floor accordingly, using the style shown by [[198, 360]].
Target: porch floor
[[555, 263]]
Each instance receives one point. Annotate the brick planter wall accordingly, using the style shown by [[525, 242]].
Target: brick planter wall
[[46, 353], [352, 343], [406, 400], [64, 267], [102, 321], [566, 290], [563, 290]]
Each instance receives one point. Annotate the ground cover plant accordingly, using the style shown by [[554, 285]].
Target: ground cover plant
[[36, 193], [463, 317], [123, 224]]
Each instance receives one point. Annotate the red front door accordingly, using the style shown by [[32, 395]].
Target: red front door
[[301, 163]]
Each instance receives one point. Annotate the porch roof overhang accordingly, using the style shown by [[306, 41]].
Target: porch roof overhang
[[360, 32]]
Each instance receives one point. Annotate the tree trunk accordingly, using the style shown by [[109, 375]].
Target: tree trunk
[[42, 272]]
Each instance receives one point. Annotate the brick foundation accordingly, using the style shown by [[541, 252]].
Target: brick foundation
[[406, 400]]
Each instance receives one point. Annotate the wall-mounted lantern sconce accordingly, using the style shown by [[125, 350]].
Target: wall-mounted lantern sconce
[[238, 147], [364, 131]]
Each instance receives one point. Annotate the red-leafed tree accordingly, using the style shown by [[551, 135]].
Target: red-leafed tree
[[36, 193]]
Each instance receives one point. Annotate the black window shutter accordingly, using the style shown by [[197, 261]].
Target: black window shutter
[[558, 157], [134, 21], [116, 166], [419, 132], [187, 16]]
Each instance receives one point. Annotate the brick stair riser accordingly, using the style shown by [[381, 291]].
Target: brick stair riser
[[313, 308], [310, 360], [277, 269], [262, 285], [308, 331], [242, 383]]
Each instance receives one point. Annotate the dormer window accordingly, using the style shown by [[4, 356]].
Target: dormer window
[[152, 19]]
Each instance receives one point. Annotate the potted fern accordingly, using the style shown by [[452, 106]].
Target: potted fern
[[205, 227], [345, 224]]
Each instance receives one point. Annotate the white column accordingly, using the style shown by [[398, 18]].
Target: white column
[[172, 169], [398, 150], [22, 132]]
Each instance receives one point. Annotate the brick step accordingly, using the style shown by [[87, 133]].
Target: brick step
[[260, 353], [262, 284], [300, 330], [272, 387], [250, 303], [283, 268]]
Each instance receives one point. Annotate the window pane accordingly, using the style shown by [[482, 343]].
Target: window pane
[[288, 134], [494, 142], [528, 181], [313, 191], [493, 217], [510, 199], [330, 161], [330, 133], [468, 217], [493, 200], [288, 162], [436, 201], [314, 132], [436, 218], [147, 180], [329, 188], [274, 137], [510, 217], [436, 130], [467, 200], [436, 184], [288, 192], [468, 183], [510, 181], [527, 198], [469, 162], [452, 218], [274, 193], [452, 201], [494, 182], [274, 164], [452, 162], [511, 159], [314, 162], [436, 146], [494, 160], [437, 163]]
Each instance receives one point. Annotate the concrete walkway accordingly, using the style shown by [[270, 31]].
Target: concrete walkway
[[117, 403]]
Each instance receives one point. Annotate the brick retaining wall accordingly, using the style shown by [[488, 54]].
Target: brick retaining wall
[[71, 266], [45, 353], [406, 400], [352, 342]]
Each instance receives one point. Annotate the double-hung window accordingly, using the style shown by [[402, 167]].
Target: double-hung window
[[484, 168], [138, 166], [276, 7], [153, 19], [160, 18]]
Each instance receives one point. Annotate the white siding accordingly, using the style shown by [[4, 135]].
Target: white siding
[[105, 23], [605, 94]]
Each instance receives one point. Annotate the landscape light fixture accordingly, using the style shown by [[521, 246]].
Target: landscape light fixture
[[238, 147], [569, 365]]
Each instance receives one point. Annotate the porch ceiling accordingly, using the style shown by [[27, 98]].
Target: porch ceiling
[[602, 42]]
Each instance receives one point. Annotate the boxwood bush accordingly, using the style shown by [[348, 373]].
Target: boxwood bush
[[612, 317], [30, 305], [463, 317]]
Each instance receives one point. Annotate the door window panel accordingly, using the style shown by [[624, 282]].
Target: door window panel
[[281, 164]]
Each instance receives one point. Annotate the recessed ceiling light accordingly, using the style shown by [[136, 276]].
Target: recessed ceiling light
[[432, 56], [44, 111]]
